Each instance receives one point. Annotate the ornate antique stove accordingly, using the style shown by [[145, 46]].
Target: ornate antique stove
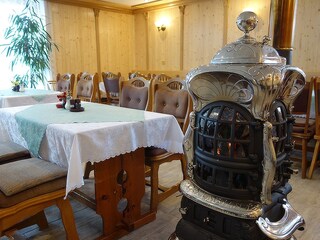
[[238, 144]]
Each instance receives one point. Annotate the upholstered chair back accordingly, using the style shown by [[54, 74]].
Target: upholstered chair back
[[65, 82], [111, 84], [87, 87], [171, 102], [171, 97], [135, 93], [111, 81]]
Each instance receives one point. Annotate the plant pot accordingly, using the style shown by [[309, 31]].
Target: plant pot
[[16, 88]]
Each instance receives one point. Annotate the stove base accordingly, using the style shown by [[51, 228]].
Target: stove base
[[186, 230], [214, 225], [191, 231]]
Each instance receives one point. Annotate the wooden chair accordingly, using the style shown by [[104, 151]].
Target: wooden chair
[[162, 77], [148, 76], [304, 127], [29, 194], [10, 152], [317, 127], [112, 85], [178, 103], [135, 93], [87, 87], [65, 82], [51, 85]]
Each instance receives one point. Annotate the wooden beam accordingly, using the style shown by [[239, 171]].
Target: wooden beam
[[168, 4], [96, 4], [134, 9]]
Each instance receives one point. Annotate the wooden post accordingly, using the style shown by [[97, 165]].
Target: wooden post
[[282, 25], [146, 15], [181, 8], [96, 18]]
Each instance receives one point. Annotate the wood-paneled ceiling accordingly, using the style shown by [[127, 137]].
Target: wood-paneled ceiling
[[127, 6]]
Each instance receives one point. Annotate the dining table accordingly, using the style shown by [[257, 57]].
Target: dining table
[[29, 96], [112, 138]]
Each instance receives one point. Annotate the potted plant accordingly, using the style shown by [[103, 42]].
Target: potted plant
[[29, 44]]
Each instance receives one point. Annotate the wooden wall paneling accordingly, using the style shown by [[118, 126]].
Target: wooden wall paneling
[[117, 42], [164, 46], [260, 7], [141, 37], [306, 53], [208, 26], [203, 32], [73, 30]]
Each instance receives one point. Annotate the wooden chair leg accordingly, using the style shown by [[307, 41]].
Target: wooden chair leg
[[40, 219], [183, 162], [314, 159], [67, 218], [304, 158], [89, 167], [154, 186]]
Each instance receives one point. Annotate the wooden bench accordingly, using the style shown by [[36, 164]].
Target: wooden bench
[[29, 186]]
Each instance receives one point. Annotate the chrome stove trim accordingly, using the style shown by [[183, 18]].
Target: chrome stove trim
[[285, 227], [188, 144], [269, 164], [231, 207], [256, 89]]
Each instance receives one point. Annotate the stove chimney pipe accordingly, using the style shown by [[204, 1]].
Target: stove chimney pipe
[[282, 26]]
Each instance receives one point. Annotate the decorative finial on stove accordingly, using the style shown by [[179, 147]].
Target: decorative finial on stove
[[247, 21]]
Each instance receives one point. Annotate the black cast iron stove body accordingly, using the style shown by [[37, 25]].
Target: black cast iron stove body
[[238, 144]]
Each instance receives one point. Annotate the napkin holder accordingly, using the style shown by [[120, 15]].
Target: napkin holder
[[75, 105]]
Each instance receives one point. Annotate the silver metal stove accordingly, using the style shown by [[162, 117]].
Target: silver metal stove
[[238, 143]]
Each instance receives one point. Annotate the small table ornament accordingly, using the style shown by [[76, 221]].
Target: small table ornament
[[62, 98]]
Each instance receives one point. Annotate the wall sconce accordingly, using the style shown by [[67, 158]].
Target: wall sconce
[[162, 24], [161, 28]]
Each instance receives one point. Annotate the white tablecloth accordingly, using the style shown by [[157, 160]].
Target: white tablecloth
[[8, 98], [70, 145]]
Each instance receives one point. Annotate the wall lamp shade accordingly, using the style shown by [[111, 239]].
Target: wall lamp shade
[[162, 24], [161, 27]]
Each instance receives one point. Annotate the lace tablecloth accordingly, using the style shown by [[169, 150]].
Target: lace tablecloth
[[72, 144], [9, 98]]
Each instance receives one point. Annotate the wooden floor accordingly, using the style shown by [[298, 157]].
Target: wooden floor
[[305, 198]]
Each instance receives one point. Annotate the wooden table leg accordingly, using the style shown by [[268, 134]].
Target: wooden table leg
[[109, 192]]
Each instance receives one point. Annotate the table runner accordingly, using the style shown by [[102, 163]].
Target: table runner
[[32, 126]]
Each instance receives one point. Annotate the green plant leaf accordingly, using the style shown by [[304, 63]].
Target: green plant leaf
[[30, 44]]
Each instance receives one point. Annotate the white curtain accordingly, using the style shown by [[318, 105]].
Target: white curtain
[[8, 8]]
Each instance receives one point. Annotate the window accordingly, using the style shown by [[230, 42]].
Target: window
[[8, 8]]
